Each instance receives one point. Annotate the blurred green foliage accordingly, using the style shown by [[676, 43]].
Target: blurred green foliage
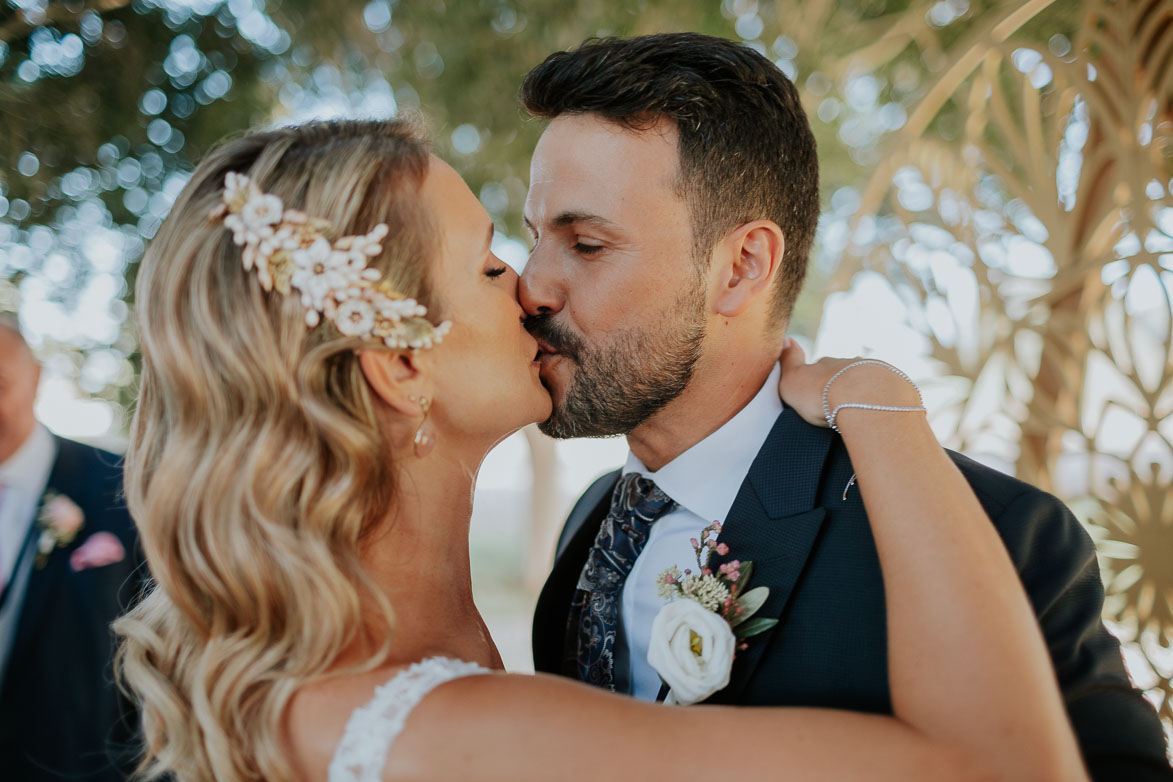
[[105, 106]]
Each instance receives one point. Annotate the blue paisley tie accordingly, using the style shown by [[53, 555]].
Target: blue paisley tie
[[594, 611]]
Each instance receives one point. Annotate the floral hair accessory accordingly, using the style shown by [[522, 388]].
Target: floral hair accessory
[[291, 251]]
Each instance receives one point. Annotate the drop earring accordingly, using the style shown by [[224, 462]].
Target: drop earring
[[424, 438]]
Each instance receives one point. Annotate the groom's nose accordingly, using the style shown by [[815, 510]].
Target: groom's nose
[[541, 290]]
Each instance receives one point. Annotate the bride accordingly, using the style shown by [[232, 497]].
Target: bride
[[329, 350]]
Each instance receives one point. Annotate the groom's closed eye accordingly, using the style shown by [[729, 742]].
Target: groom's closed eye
[[567, 222], [587, 249]]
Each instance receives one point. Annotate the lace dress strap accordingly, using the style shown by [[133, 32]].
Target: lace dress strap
[[372, 728]]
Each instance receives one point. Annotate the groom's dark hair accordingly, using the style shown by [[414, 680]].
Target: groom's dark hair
[[746, 149]]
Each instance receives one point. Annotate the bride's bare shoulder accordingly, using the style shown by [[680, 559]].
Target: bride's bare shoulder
[[518, 726], [318, 713], [316, 717]]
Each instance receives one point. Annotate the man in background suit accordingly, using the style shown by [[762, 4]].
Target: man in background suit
[[673, 201], [68, 567]]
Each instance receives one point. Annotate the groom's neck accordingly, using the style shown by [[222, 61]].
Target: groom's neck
[[723, 383]]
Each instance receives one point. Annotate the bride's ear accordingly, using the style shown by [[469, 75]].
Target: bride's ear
[[400, 378]]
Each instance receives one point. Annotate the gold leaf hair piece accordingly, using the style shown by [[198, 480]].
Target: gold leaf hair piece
[[290, 251]]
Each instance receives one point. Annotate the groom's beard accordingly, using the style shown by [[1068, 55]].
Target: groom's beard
[[616, 388]]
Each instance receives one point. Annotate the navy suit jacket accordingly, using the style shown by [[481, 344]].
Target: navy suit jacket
[[61, 715], [815, 552]]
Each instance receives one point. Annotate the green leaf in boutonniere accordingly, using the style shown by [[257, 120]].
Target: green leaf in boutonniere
[[749, 603], [753, 627], [60, 519]]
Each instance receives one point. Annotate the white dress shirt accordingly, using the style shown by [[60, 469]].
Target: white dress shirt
[[704, 481], [24, 476]]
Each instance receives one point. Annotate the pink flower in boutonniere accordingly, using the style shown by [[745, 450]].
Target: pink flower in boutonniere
[[60, 520]]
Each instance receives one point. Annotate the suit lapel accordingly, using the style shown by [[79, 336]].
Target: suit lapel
[[774, 522], [550, 614]]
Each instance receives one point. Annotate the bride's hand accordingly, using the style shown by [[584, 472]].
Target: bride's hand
[[802, 384]]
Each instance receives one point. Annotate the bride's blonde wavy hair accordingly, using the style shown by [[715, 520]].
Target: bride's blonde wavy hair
[[256, 464]]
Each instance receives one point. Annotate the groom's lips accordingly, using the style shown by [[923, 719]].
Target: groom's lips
[[546, 355]]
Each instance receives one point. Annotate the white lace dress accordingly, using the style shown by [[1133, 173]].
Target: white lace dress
[[372, 728]]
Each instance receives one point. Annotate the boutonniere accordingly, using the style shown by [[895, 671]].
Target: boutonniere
[[696, 636], [60, 520]]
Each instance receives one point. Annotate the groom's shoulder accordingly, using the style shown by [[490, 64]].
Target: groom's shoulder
[[995, 489], [1050, 547], [1028, 518], [1019, 508]]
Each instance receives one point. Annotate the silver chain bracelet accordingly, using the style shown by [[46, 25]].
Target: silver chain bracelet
[[830, 414]]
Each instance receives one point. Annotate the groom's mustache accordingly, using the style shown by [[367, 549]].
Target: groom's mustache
[[555, 337]]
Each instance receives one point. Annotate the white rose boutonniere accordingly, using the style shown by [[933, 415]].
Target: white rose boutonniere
[[692, 650], [696, 636], [60, 520]]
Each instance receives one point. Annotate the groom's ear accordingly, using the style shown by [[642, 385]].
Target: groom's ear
[[398, 377], [750, 256]]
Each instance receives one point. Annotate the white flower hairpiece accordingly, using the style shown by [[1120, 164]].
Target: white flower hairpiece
[[291, 251]]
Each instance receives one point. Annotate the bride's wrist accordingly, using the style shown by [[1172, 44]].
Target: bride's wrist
[[849, 395], [872, 384]]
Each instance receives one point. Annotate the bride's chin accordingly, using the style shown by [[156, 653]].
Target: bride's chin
[[541, 405], [547, 408], [535, 414], [538, 402]]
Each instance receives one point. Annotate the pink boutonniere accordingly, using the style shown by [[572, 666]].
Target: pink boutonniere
[[60, 520]]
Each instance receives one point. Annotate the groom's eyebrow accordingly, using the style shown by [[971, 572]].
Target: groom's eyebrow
[[566, 219], [570, 218]]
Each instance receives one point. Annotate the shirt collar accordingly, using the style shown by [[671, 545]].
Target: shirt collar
[[28, 469], [706, 478]]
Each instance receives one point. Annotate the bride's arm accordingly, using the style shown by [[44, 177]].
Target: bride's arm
[[973, 692], [549, 729], [967, 663]]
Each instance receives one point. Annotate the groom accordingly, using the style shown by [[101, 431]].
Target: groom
[[673, 201]]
